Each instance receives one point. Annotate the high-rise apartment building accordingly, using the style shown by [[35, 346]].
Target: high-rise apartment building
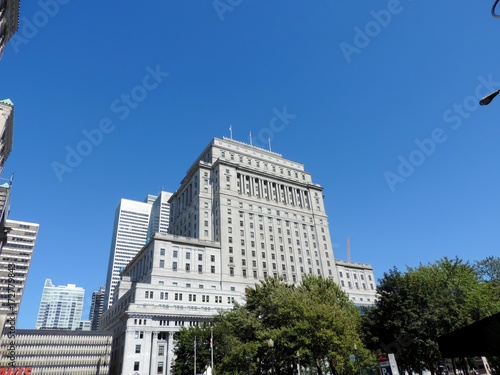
[[15, 261], [130, 234], [97, 308], [9, 21], [6, 128], [61, 307], [263, 209]]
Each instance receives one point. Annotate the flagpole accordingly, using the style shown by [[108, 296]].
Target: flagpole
[[212, 348], [269, 140], [230, 131], [251, 139], [195, 355]]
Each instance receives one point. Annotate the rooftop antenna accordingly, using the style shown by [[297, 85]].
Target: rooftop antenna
[[348, 249]]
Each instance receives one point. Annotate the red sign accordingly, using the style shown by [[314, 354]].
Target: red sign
[[380, 358], [15, 370]]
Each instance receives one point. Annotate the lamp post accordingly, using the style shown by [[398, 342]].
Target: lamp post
[[488, 98], [270, 343], [493, 13], [357, 359]]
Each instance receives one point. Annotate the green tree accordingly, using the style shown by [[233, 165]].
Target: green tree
[[416, 307], [281, 326]]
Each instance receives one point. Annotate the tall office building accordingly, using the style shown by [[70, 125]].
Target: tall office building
[[61, 307], [9, 21], [97, 308], [160, 214], [241, 214], [6, 128], [14, 265], [263, 209], [130, 233]]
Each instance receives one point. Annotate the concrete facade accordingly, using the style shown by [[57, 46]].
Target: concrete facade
[[358, 281], [57, 352], [14, 265], [173, 282]]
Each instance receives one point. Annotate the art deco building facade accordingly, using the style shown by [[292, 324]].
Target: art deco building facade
[[61, 307], [241, 214], [15, 261], [264, 210], [58, 352], [9, 21]]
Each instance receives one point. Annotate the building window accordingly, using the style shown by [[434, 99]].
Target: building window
[[231, 271], [162, 263], [200, 268], [136, 366], [162, 251], [160, 368], [161, 349], [212, 258], [212, 269], [188, 267], [174, 266], [137, 349]]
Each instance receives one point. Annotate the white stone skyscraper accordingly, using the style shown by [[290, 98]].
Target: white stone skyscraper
[[241, 214], [130, 234], [61, 306], [263, 209]]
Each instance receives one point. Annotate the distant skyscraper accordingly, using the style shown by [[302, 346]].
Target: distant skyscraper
[[61, 306], [15, 259], [130, 234], [6, 128], [160, 215], [9, 21], [97, 307]]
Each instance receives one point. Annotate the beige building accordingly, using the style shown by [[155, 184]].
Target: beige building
[[57, 352], [6, 129]]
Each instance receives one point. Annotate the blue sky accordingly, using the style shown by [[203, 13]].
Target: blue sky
[[384, 95]]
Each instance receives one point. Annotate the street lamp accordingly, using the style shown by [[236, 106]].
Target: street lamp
[[488, 98], [270, 343], [493, 10], [357, 359]]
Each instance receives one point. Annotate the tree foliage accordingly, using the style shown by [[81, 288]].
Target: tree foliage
[[416, 307], [281, 326]]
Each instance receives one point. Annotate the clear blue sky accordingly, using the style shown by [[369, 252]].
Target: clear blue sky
[[367, 81]]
